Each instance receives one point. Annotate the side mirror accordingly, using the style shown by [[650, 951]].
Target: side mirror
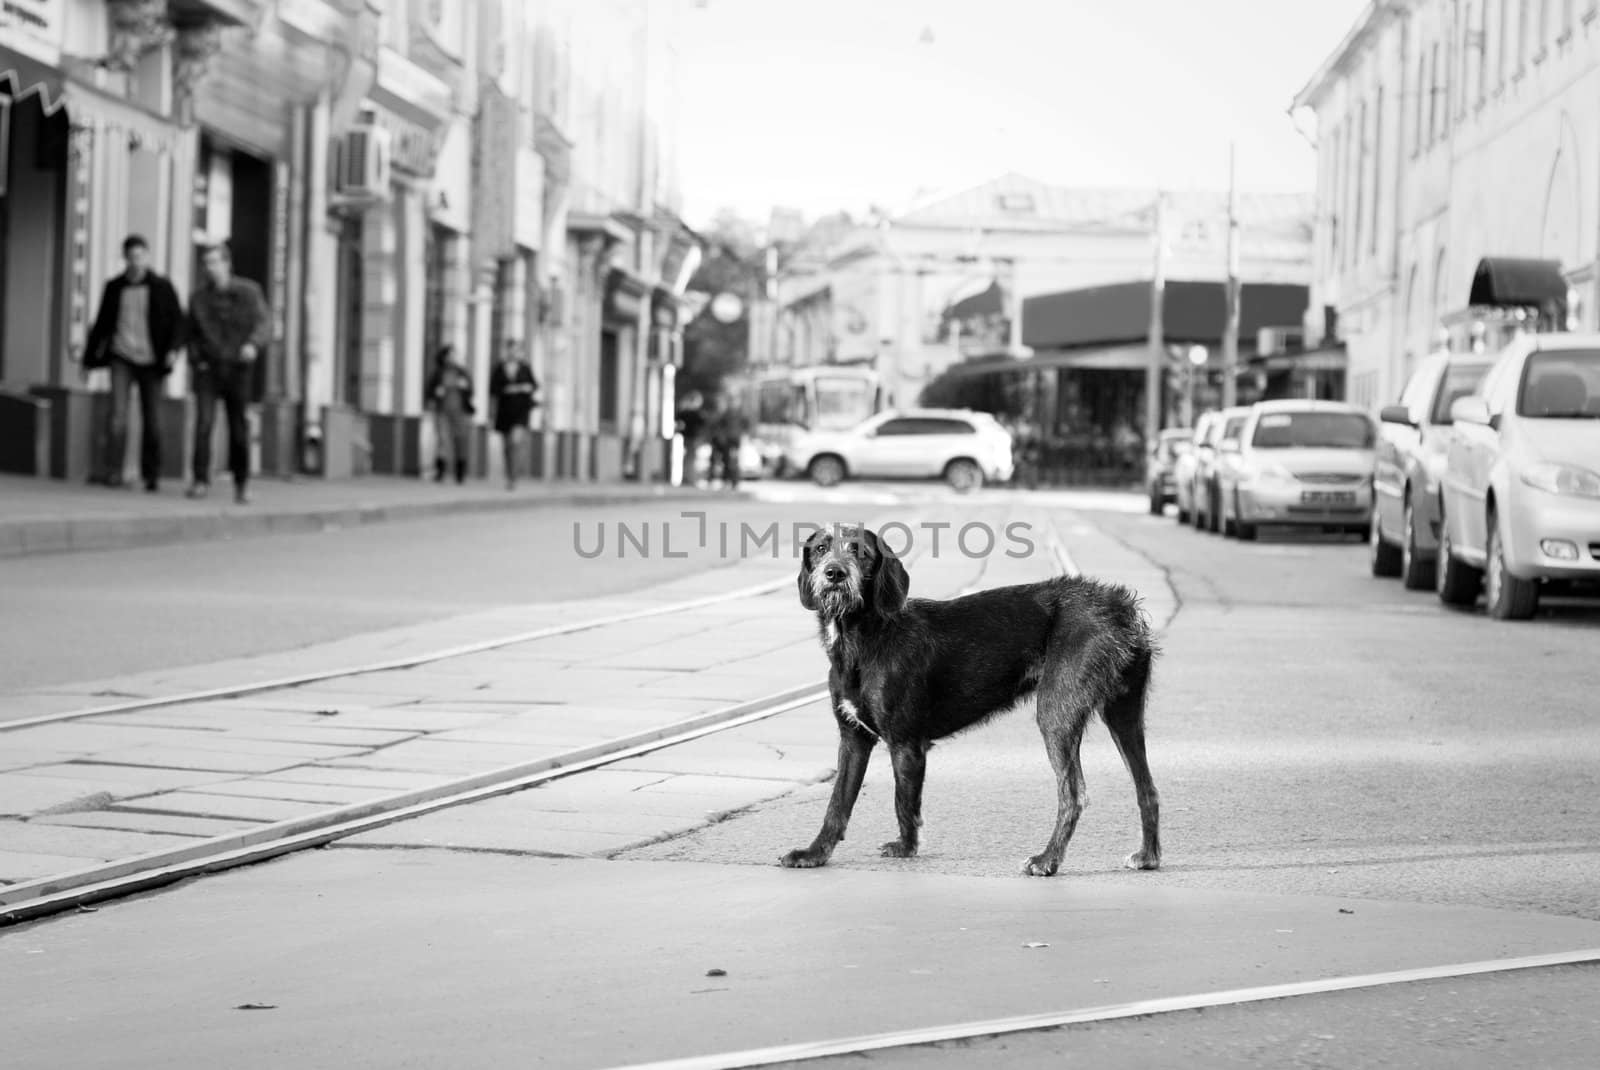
[[1396, 414], [1470, 410]]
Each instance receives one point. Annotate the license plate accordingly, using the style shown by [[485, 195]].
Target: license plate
[[1328, 497]]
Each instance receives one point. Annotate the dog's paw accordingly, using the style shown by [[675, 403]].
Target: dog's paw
[[1141, 860], [896, 849], [803, 858], [1040, 866]]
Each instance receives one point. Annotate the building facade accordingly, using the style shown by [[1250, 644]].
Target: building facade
[[400, 176], [945, 283], [1449, 132]]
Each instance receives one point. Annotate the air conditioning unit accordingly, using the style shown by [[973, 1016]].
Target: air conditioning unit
[[1270, 341], [361, 164]]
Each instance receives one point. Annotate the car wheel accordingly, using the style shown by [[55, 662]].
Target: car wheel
[[1183, 514], [827, 471], [1230, 520], [964, 475], [1456, 581], [1509, 598], [1384, 557], [1157, 504], [1198, 518], [1416, 572], [1213, 510]]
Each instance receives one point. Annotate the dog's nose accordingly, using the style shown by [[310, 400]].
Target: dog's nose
[[833, 573]]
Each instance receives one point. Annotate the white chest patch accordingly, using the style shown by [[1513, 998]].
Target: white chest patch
[[830, 635], [847, 710]]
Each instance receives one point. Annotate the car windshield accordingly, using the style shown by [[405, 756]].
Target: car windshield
[[1313, 431], [1232, 428], [1561, 384], [1460, 380], [842, 403]]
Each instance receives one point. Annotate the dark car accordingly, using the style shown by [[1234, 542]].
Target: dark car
[[1161, 466], [1410, 462]]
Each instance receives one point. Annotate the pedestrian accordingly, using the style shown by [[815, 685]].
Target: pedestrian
[[513, 394], [727, 437], [449, 395], [229, 324], [691, 425], [136, 335]]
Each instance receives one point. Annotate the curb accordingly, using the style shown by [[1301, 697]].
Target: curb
[[25, 538], [27, 900]]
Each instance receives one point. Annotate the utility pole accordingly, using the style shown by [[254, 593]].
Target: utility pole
[[1155, 370], [1230, 333]]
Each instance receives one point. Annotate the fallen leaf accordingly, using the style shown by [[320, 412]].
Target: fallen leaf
[[1342, 910], [1035, 945], [716, 973], [256, 1007]]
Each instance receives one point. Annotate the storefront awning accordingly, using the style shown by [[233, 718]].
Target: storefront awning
[[22, 78], [1192, 312], [1328, 359], [1513, 282], [1103, 358]]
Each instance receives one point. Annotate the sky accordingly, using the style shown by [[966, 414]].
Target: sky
[[824, 105]]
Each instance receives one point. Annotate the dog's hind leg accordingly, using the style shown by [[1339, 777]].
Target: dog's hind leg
[[1063, 712], [1124, 716], [855, 749], [910, 766]]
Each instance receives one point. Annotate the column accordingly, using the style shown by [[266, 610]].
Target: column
[[411, 299], [380, 288]]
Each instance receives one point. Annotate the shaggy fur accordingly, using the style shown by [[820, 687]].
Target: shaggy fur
[[910, 672]]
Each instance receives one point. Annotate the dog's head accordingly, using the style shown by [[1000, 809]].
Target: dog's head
[[849, 569]]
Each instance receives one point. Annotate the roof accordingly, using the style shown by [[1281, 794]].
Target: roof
[[1373, 18], [1192, 312]]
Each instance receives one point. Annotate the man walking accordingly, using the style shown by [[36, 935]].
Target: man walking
[[229, 325], [138, 329], [449, 395]]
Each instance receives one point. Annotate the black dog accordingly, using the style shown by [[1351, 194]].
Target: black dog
[[911, 672]]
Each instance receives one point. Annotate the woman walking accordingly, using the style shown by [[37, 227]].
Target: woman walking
[[512, 390], [449, 395]]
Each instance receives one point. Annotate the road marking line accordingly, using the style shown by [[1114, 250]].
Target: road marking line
[[1137, 1009]]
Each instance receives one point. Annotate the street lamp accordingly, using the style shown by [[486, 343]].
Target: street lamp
[[1198, 356]]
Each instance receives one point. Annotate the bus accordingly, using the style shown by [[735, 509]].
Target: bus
[[779, 403]]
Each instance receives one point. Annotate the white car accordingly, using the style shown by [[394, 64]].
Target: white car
[[964, 448], [1303, 463]]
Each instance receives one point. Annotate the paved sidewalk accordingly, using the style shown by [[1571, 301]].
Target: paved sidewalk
[[48, 516], [75, 794]]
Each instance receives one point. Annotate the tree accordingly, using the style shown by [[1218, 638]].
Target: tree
[[712, 350]]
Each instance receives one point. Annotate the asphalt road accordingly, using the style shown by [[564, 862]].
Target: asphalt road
[[1312, 730], [1349, 775], [90, 615]]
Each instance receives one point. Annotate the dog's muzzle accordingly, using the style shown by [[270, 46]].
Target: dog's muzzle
[[836, 585]]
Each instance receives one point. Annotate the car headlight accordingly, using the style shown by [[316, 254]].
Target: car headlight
[[1562, 479]]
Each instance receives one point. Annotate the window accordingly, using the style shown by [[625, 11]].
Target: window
[[1563, 384], [842, 402], [1459, 381], [1233, 428], [1364, 144], [1377, 180], [1309, 430], [1436, 116]]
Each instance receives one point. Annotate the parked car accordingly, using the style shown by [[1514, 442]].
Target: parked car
[[1208, 477], [1161, 465], [1300, 462], [1412, 442], [1520, 497], [966, 449], [1186, 472]]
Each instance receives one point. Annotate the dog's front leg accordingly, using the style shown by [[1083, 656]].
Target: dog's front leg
[[910, 765], [855, 749]]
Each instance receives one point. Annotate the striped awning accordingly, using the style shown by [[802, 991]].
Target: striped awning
[[22, 78]]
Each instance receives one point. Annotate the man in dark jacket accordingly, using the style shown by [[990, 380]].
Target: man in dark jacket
[[136, 333], [229, 325]]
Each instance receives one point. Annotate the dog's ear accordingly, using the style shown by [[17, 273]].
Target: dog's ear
[[808, 598], [890, 582]]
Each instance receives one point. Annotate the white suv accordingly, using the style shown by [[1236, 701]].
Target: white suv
[[962, 447]]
